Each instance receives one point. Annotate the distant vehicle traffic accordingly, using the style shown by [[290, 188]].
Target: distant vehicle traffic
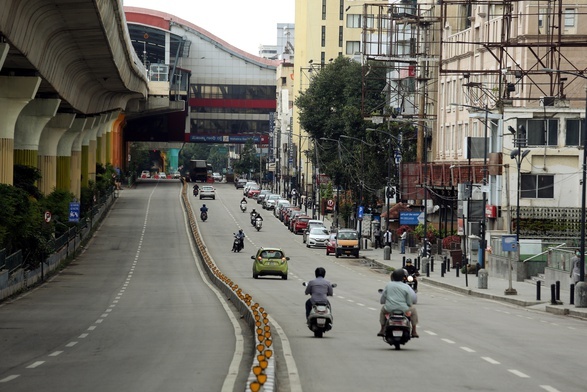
[[217, 177], [145, 174]]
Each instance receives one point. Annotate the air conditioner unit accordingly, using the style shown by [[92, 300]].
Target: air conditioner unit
[[547, 101]]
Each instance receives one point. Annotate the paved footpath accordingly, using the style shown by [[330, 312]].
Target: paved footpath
[[496, 287]]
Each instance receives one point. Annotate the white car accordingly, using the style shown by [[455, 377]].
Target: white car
[[162, 176], [312, 223], [207, 192], [145, 174], [318, 236], [217, 177]]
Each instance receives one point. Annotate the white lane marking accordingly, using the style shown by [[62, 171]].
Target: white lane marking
[[104, 315], [360, 304], [290, 363], [448, 341], [372, 309], [490, 360], [83, 335], [518, 373], [467, 349], [99, 321], [350, 300], [10, 378], [549, 388], [35, 364], [55, 353], [91, 328], [70, 344], [430, 333]]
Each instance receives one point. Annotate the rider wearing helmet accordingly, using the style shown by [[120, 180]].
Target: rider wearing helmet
[[204, 208], [398, 296], [241, 236], [319, 289], [413, 271]]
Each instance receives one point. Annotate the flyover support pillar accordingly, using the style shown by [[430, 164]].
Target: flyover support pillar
[[69, 157], [15, 93], [27, 132], [49, 141]]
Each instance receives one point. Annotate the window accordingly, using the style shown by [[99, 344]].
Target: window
[[537, 186], [353, 21], [340, 36], [541, 132], [575, 135], [353, 47], [323, 37], [323, 9], [570, 17]]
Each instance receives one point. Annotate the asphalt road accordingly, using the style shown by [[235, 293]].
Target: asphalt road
[[132, 313], [465, 343]]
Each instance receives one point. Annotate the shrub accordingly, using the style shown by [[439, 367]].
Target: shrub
[[451, 242]]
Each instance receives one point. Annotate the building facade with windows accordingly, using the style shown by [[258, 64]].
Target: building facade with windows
[[324, 31], [231, 93], [516, 86]]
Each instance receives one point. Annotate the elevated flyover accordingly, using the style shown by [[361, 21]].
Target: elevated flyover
[[68, 76]]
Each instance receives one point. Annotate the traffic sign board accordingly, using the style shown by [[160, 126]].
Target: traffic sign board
[[360, 214], [74, 212]]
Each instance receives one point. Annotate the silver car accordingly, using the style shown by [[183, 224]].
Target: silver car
[[207, 191], [318, 237]]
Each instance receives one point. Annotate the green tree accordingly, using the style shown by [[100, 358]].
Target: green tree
[[331, 108], [248, 162]]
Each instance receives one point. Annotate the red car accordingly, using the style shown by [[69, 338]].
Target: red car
[[253, 193], [331, 244], [300, 224], [289, 213]]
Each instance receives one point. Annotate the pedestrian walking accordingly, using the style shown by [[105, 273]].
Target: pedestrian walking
[[377, 235], [403, 239], [575, 274], [387, 238]]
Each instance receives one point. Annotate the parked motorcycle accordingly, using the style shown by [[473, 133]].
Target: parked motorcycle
[[203, 216], [258, 224], [243, 207], [398, 328], [237, 244], [320, 318]]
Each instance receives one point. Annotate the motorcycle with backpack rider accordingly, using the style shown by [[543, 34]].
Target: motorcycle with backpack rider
[[243, 204], [196, 190]]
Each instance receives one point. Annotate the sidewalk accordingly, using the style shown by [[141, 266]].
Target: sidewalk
[[526, 292]]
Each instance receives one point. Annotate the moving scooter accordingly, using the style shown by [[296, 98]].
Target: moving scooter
[[203, 216], [320, 318], [237, 245], [243, 207], [398, 328], [258, 224]]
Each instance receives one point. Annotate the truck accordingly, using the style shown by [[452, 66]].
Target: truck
[[200, 171]]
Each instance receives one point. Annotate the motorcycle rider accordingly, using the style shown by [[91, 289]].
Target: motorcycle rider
[[241, 236], [398, 296], [412, 270], [254, 214], [203, 209], [244, 200], [196, 189], [319, 290]]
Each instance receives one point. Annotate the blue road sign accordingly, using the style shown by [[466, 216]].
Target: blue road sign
[[360, 214], [74, 212], [409, 218]]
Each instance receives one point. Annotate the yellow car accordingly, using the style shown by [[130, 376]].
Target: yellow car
[[270, 261]]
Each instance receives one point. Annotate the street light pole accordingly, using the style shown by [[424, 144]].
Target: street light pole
[[518, 155]]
